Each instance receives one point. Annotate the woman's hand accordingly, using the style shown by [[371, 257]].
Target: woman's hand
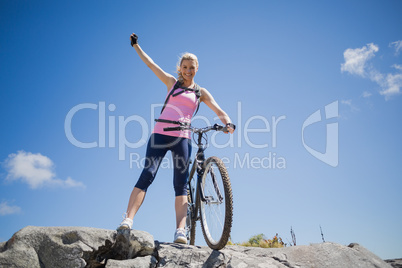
[[230, 127], [134, 39]]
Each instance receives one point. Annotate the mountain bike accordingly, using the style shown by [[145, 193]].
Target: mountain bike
[[210, 198]]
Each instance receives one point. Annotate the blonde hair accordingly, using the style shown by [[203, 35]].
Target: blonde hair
[[185, 56]]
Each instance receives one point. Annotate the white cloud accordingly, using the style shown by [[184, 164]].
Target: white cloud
[[6, 209], [356, 59], [398, 67], [366, 94], [68, 183], [393, 85], [349, 104], [356, 63], [36, 170], [397, 45]]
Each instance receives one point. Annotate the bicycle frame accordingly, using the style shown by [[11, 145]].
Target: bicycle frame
[[197, 199]]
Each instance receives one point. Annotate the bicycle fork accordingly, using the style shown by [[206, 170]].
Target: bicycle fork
[[200, 174], [199, 164]]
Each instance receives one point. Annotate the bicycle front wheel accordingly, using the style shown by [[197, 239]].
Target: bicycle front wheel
[[216, 209]]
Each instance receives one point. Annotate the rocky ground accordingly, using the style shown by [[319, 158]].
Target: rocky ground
[[396, 263], [90, 247]]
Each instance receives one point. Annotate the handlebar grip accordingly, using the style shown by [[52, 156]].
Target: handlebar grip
[[232, 126], [225, 129], [172, 128]]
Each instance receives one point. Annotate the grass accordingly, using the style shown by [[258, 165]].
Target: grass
[[261, 241]]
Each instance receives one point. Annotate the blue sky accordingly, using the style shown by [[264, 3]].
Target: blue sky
[[313, 86]]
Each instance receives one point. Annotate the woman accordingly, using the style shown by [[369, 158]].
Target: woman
[[179, 107]]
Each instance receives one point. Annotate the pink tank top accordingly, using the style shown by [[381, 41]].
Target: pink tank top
[[180, 108]]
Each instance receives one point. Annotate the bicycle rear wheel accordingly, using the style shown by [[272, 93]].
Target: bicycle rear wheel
[[190, 221], [217, 209], [192, 205]]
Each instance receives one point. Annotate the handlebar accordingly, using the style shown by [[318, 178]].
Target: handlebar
[[216, 127]]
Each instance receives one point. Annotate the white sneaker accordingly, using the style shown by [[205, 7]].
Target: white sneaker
[[180, 236], [127, 223]]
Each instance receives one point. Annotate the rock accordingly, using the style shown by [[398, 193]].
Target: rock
[[72, 247], [316, 255], [139, 262], [396, 263], [177, 255], [54, 247]]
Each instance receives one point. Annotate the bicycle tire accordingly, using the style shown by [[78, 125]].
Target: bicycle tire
[[211, 210]]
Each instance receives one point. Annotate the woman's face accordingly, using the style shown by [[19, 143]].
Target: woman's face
[[188, 69]]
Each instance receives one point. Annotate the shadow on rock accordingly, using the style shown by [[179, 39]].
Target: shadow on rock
[[126, 246]]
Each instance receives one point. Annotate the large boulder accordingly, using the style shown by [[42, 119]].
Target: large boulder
[[53, 247], [72, 247]]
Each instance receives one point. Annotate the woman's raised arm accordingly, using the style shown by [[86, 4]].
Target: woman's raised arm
[[166, 78]]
